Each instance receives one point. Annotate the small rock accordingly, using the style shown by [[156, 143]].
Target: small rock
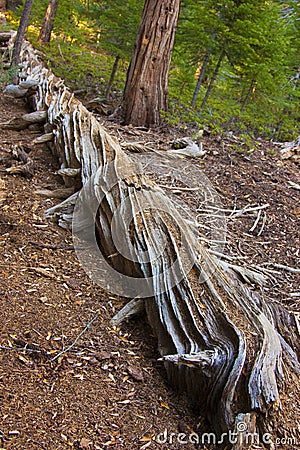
[[14, 91], [135, 374]]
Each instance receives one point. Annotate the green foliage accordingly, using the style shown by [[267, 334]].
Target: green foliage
[[254, 91], [76, 65], [77, 52], [253, 88], [7, 75], [119, 23]]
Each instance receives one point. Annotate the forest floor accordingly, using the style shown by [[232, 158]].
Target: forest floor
[[109, 390]]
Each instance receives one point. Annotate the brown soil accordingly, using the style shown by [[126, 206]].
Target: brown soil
[[109, 390]]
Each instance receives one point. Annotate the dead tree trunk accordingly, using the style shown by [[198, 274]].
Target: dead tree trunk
[[219, 342], [48, 22], [146, 90]]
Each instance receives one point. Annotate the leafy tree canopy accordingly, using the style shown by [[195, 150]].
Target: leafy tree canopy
[[255, 87]]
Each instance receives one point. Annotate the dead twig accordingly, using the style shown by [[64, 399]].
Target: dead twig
[[263, 225], [26, 168], [256, 221], [175, 188], [247, 209], [52, 246], [86, 328], [294, 185], [283, 267], [24, 347]]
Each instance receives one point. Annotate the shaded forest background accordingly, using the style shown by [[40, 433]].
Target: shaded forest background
[[234, 66]]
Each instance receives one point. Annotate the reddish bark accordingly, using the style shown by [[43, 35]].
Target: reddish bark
[[21, 35], [146, 90]]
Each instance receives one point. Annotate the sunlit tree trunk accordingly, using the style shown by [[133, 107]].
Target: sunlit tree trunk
[[21, 35], [146, 90], [47, 25], [296, 78]]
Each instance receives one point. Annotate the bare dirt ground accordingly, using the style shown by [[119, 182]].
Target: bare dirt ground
[[109, 390]]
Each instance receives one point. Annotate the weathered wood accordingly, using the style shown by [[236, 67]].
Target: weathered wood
[[15, 91], [48, 137], [209, 325], [20, 123], [3, 192], [132, 308], [5, 36], [62, 193], [245, 435], [291, 150], [26, 168]]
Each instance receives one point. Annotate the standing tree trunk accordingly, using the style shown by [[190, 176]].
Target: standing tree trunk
[[201, 76], [146, 90], [213, 79], [47, 25], [296, 78], [21, 35], [249, 92], [112, 76]]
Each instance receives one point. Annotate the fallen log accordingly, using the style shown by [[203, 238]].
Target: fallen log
[[220, 342]]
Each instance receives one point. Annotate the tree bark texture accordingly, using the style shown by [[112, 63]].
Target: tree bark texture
[[146, 90], [48, 22], [21, 33], [220, 342]]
